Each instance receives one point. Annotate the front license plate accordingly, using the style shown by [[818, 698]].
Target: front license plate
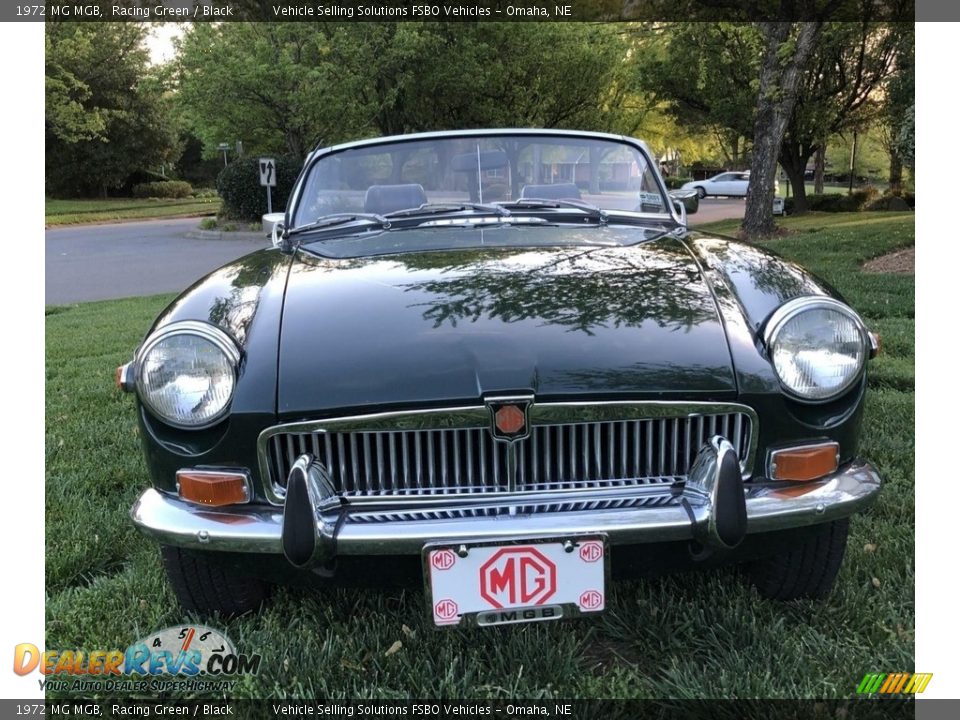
[[514, 581]]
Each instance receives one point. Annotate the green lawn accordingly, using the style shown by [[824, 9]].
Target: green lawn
[[684, 636], [73, 212]]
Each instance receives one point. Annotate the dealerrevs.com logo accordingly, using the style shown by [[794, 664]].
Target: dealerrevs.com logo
[[174, 657]]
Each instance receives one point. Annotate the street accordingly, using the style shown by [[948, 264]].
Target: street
[[100, 262]]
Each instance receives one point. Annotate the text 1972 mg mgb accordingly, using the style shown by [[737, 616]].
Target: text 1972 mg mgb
[[503, 356]]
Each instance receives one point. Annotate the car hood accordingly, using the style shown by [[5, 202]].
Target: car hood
[[452, 326]]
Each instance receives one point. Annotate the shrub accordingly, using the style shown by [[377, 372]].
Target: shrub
[[244, 198], [890, 201], [675, 183], [837, 202], [208, 223], [204, 192], [858, 199], [163, 189]]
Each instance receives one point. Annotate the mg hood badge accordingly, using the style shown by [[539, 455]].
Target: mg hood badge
[[509, 417]]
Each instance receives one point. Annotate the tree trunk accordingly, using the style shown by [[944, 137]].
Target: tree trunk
[[796, 180], [896, 171], [794, 159], [779, 78], [594, 170], [819, 167]]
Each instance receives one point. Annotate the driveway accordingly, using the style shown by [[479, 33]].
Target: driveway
[[99, 262], [713, 209]]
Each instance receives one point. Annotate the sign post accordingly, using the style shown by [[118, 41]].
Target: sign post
[[268, 178]]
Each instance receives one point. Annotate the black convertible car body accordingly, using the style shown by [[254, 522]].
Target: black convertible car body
[[502, 354]]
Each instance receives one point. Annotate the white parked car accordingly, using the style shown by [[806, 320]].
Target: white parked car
[[733, 184]]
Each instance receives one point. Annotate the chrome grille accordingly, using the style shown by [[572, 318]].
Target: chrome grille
[[556, 456]]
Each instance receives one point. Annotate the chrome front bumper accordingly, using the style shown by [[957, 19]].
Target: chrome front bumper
[[258, 529]]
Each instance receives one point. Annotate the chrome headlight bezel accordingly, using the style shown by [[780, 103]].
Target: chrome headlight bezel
[[212, 334], [793, 308]]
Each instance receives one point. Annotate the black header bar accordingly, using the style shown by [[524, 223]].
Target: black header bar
[[475, 10]]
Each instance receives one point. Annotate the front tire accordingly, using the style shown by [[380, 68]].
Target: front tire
[[206, 587], [808, 570], [701, 193]]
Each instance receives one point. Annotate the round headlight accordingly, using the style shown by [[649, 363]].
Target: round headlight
[[818, 347], [186, 374]]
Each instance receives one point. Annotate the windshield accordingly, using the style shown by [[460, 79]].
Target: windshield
[[480, 174]]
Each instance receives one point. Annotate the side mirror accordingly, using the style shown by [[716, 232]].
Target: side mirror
[[688, 198], [276, 235], [680, 210], [272, 224]]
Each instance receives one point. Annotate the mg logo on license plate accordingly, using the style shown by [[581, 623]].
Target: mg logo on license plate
[[525, 579], [591, 551], [591, 600], [518, 576], [443, 559], [446, 611]]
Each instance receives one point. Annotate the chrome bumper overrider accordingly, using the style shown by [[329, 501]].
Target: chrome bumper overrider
[[692, 516]]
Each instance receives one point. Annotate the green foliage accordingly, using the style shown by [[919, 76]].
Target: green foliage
[[108, 113], [675, 183], [901, 91], [292, 86], [164, 189], [906, 138], [839, 92], [208, 223], [244, 198], [706, 76]]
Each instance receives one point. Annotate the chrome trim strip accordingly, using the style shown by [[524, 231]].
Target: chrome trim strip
[[770, 506], [479, 416]]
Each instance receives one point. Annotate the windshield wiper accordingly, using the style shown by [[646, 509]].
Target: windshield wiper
[[337, 219], [597, 213], [444, 208]]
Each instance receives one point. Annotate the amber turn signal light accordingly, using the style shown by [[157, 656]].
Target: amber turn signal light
[[213, 488], [809, 462]]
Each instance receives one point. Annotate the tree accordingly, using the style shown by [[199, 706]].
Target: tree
[[289, 86], [899, 106], [108, 113], [837, 93], [276, 86], [705, 74], [787, 49], [906, 139]]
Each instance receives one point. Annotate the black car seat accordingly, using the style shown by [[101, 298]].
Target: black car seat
[[383, 199], [559, 191]]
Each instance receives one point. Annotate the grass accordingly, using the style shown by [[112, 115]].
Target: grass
[[683, 636], [74, 212]]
